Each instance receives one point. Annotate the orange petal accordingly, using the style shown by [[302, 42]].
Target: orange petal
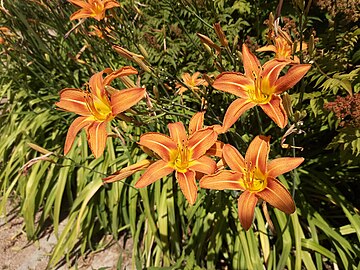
[[82, 13], [188, 185], [97, 86], [257, 153], [177, 132], [97, 135], [278, 196], [251, 63], [271, 71], [159, 143], [216, 149], [204, 164], [155, 171], [223, 180], [128, 171], [268, 48], [74, 129], [124, 71], [111, 4], [79, 3], [234, 83], [124, 99], [275, 110], [292, 77], [73, 100], [246, 207], [196, 122], [280, 166], [233, 158], [234, 111], [201, 140]]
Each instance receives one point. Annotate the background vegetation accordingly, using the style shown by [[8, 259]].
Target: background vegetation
[[39, 57]]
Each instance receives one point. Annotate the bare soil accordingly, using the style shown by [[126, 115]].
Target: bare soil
[[17, 253]]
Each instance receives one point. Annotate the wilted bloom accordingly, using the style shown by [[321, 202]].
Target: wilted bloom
[[283, 48], [92, 8], [260, 85], [256, 177], [182, 153], [192, 82], [97, 107]]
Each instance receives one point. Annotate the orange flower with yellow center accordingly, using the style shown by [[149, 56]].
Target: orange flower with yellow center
[[283, 48], [92, 8], [97, 107], [180, 153], [260, 85], [256, 177], [191, 82]]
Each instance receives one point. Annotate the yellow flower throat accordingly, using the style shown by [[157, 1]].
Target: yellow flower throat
[[100, 109], [254, 180], [180, 158], [261, 91]]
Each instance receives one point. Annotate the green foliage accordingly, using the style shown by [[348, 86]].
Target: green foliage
[[43, 57]]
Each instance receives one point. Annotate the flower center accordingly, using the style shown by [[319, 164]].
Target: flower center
[[261, 92], [97, 8], [180, 158], [100, 109], [283, 49], [254, 180]]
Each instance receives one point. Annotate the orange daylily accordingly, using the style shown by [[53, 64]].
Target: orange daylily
[[97, 107], [256, 177], [283, 48], [192, 82], [260, 85], [92, 8], [180, 153]]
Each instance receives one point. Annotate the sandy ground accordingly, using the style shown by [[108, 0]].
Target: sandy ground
[[17, 253]]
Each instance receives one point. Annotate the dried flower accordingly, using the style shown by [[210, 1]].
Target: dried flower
[[346, 109]]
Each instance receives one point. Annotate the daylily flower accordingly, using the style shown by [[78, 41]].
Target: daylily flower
[[260, 85], [180, 153], [192, 82], [256, 177], [283, 48], [97, 107], [92, 8]]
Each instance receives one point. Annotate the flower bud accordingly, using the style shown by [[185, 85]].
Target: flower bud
[[206, 40], [143, 51], [221, 35], [287, 104], [311, 45], [141, 63]]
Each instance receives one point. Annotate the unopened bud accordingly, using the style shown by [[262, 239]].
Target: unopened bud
[[206, 40], [208, 79], [127, 81], [271, 21], [207, 48], [141, 63], [156, 93], [235, 42], [221, 35], [239, 55], [311, 45], [287, 104], [125, 53], [143, 51]]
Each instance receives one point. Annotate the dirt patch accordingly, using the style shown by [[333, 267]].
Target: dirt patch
[[17, 253]]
